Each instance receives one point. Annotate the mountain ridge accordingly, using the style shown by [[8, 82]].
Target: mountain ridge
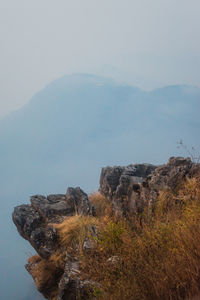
[[62, 118], [86, 76]]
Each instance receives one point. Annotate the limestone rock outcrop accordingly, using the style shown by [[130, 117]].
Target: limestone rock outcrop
[[132, 188], [34, 223]]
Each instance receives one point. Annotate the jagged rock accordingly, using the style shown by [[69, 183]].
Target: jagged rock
[[34, 224], [26, 219], [53, 206], [44, 240], [132, 188], [79, 200], [90, 242], [31, 226], [34, 221], [71, 286], [116, 181], [171, 174]]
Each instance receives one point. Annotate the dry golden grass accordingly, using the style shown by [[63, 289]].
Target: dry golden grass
[[102, 205], [58, 258], [158, 253], [160, 258], [45, 274], [74, 230], [34, 259]]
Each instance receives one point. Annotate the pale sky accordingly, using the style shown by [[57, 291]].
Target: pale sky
[[147, 43]]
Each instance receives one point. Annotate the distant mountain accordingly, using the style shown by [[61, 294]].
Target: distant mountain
[[79, 123]]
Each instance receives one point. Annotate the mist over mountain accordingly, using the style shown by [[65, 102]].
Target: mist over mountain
[[72, 128], [79, 123]]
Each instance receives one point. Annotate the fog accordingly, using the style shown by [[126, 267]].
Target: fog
[[58, 131], [145, 43]]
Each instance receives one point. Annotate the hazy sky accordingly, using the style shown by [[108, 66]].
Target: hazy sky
[[148, 43]]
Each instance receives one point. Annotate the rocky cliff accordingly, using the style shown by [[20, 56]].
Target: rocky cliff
[[129, 189], [133, 187]]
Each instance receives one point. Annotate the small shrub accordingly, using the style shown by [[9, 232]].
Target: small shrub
[[110, 237]]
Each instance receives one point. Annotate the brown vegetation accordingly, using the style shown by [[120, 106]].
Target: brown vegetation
[[45, 274], [158, 258], [102, 205], [73, 231], [155, 256]]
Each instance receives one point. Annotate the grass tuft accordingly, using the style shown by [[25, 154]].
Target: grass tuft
[[102, 205], [73, 231]]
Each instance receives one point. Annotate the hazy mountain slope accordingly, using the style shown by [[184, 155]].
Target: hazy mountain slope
[[84, 118], [76, 125]]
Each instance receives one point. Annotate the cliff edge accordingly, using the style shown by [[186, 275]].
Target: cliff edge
[[64, 229]]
